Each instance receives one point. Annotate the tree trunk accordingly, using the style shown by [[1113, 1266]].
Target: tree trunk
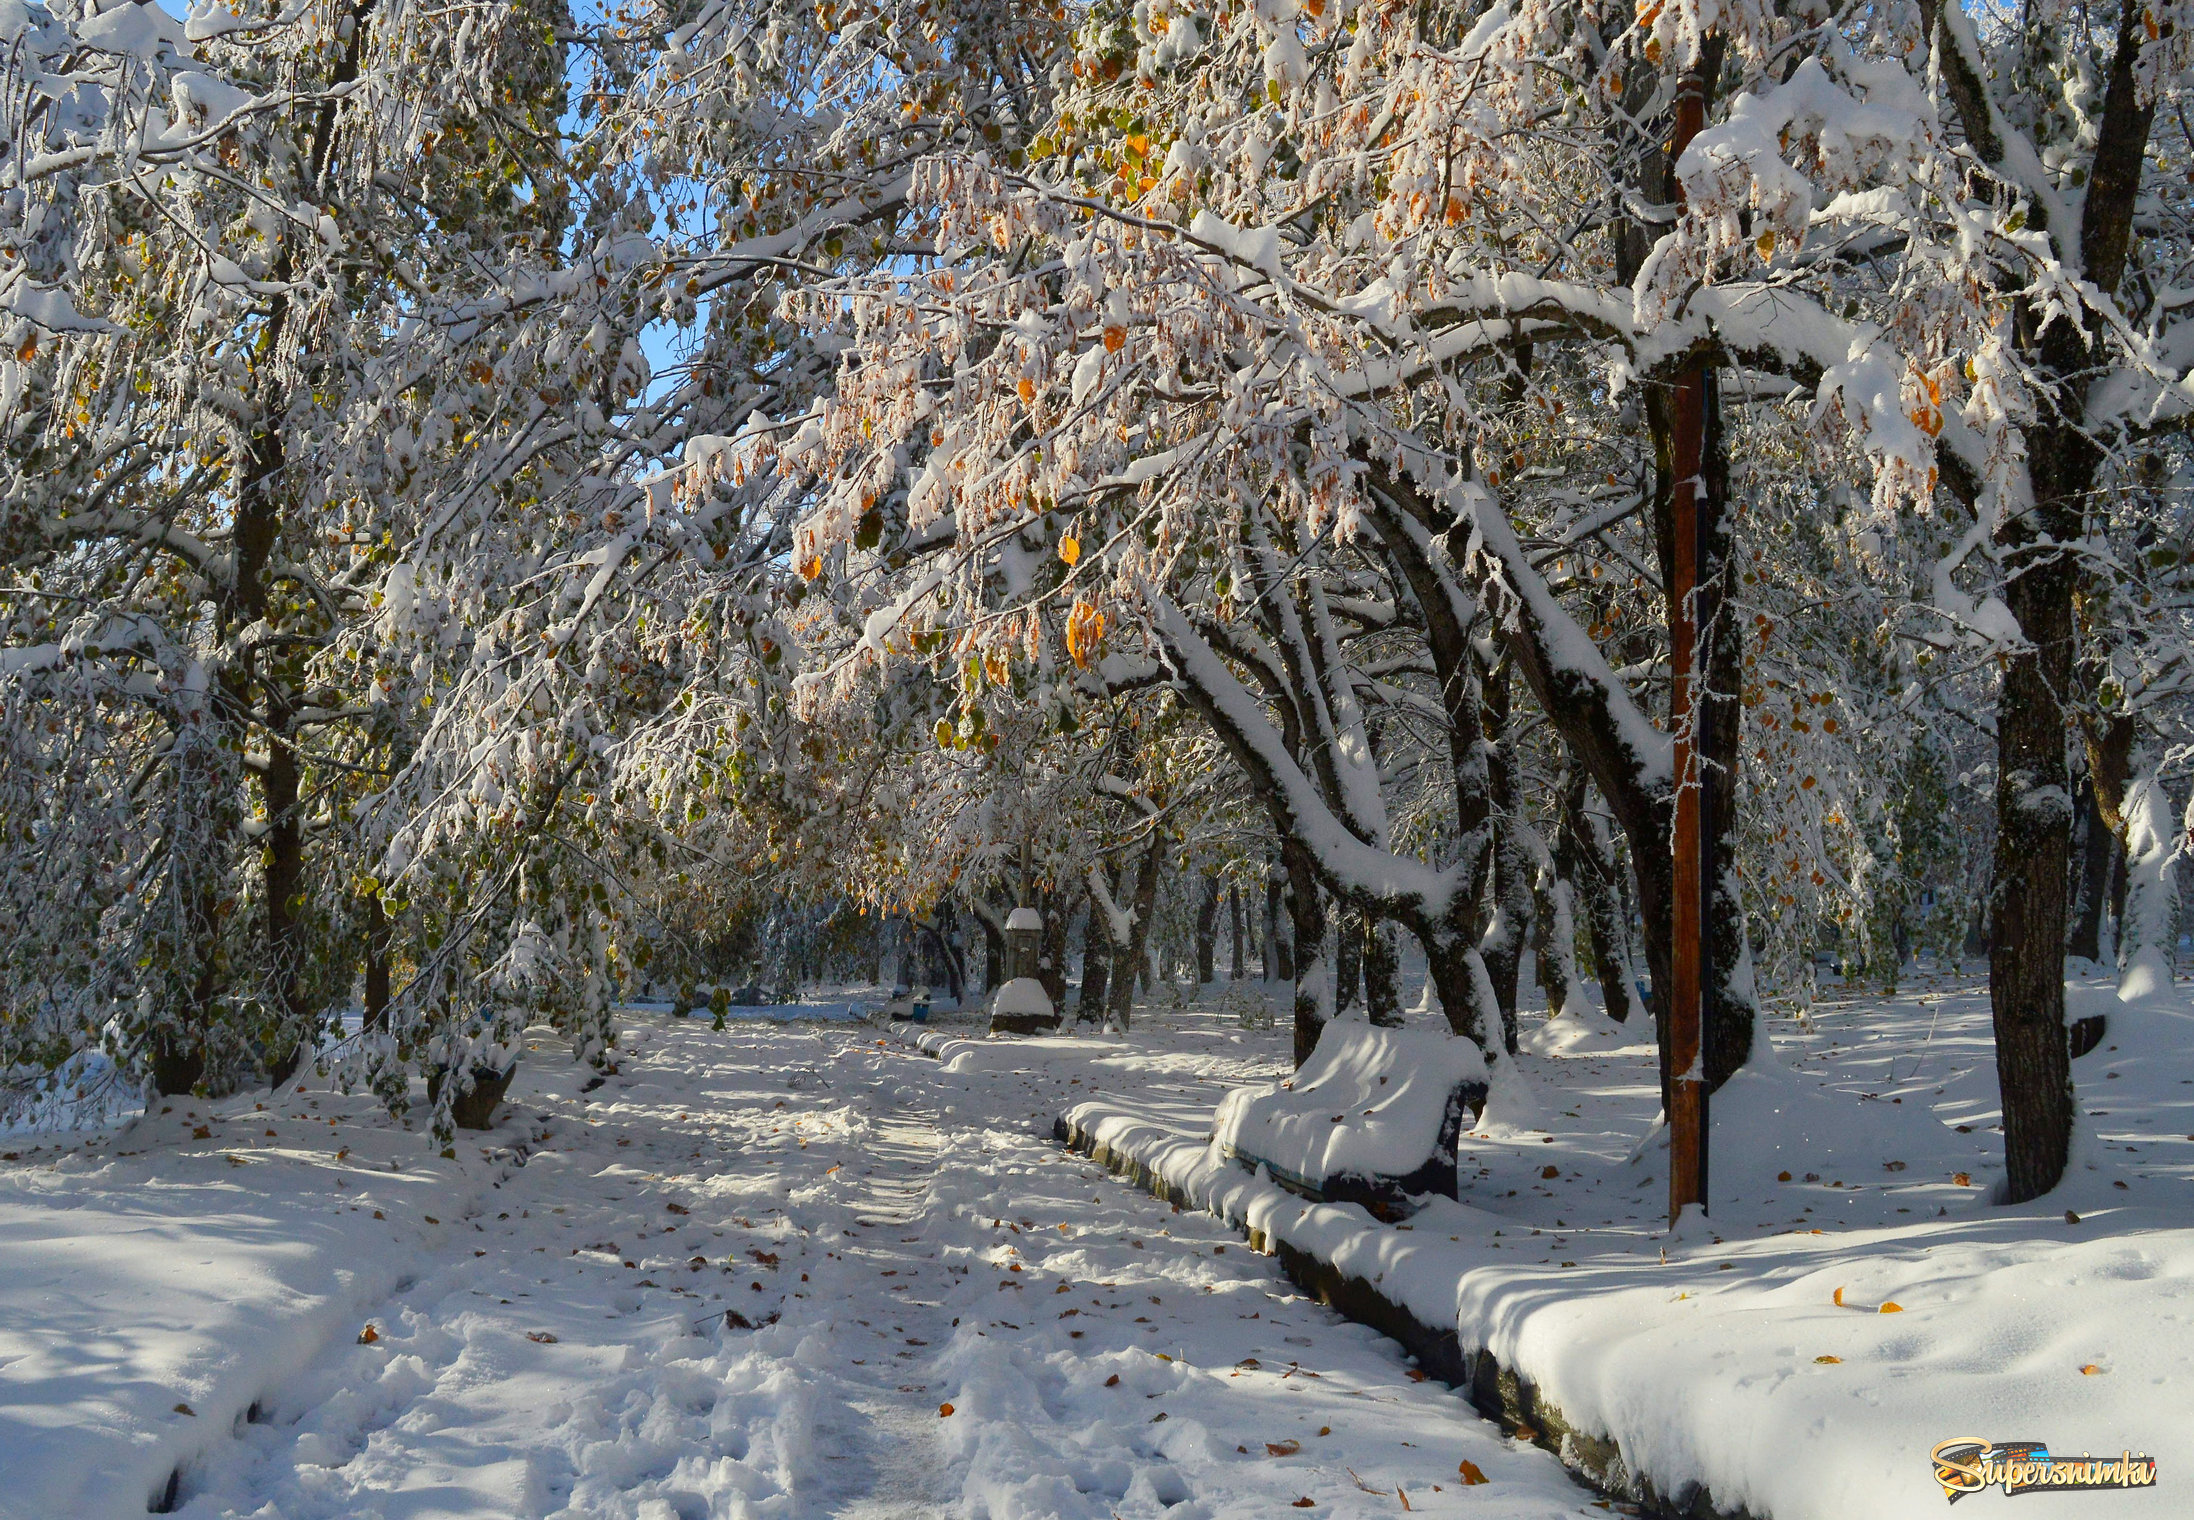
[[1307, 914], [1096, 958], [2090, 889], [1554, 913], [1510, 919], [1279, 964], [1382, 973], [994, 956], [379, 936], [1051, 951], [1730, 1013], [1207, 931], [1598, 879], [1234, 913], [1348, 957], [1130, 954]]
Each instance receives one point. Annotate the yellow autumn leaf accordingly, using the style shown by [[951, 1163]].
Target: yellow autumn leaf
[[1891, 1306], [1070, 548], [1825, 1360]]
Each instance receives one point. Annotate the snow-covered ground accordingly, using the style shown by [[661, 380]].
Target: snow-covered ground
[[1855, 1297], [781, 1270]]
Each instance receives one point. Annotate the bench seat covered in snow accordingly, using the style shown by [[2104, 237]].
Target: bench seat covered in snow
[[1371, 1118]]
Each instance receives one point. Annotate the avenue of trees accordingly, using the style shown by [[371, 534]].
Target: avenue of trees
[[503, 501]]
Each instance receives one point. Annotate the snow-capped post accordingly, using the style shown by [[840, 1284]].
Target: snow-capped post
[[1021, 1005], [1687, 1118]]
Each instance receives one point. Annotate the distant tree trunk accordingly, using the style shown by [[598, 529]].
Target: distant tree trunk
[[1554, 911], [1279, 963], [378, 937], [1234, 913], [2093, 847], [1131, 954], [1207, 930], [1051, 951], [1597, 878]]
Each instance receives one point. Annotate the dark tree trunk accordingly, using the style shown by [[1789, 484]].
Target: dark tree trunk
[[1307, 919], [378, 944], [2091, 883], [1051, 951], [1279, 964], [1234, 913], [1207, 931], [1729, 1015], [1132, 956], [2037, 550], [1601, 893], [994, 953], [1097, 957]]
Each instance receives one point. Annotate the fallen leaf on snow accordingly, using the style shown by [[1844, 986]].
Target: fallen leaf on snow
[[1822, 1360], [1282, 1448], [541, 1337], [1891, 1306], [2090, 1370], [1471, 1473], [1306, 1502], [369, 1335], [944, 1411]]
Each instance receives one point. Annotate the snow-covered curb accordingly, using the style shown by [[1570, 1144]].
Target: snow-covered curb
[[1323, 1247], [1736, 1378]]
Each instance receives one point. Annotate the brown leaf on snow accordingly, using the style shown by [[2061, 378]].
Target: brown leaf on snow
[[1306, 1502], [369, 1335], [944, 1411], [1826, 1361], [1471, 1473], [1282, 1448], [541, 1337], [1962, 1179]]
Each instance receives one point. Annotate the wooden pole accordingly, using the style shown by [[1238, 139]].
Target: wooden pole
[[1687, 1119]]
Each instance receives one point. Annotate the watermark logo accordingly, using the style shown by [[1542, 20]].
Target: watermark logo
[[1966, 1465]]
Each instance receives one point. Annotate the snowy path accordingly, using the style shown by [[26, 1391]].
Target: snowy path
[[889, 1236]]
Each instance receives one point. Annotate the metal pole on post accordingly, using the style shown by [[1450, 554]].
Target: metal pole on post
[[1687, 1129]]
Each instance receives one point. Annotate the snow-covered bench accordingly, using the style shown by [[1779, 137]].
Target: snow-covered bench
[[1371, 1118]]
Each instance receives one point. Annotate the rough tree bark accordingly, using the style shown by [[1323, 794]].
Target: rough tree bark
[[2038, 548]]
